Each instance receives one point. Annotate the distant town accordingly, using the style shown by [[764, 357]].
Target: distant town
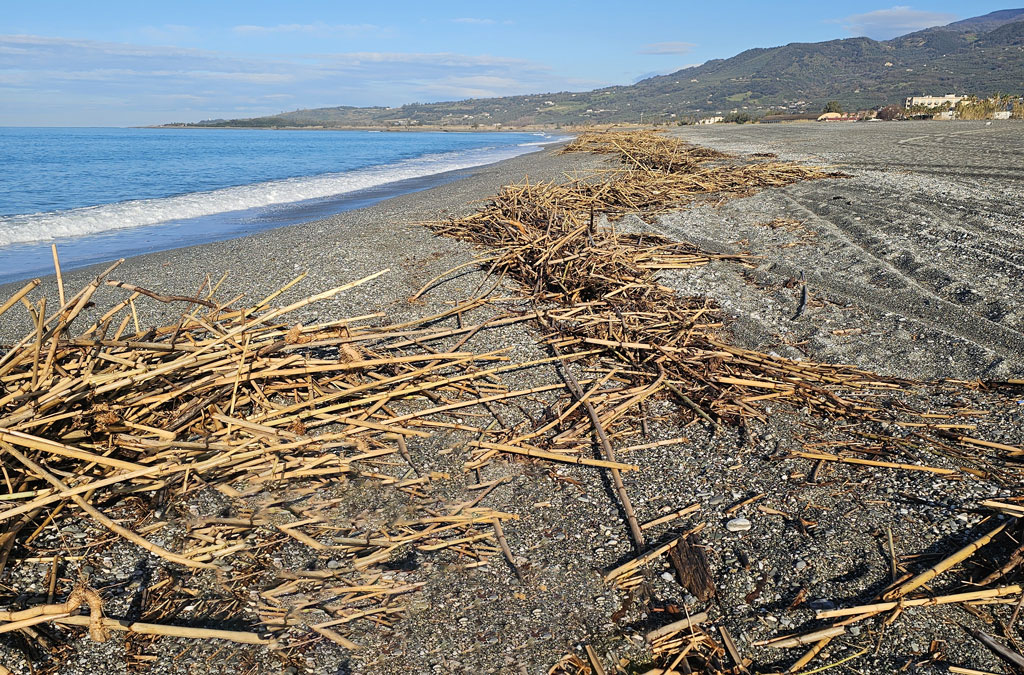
[[928, 107], [923, 107]]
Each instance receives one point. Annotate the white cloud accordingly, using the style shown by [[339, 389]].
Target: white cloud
[[883, 24], [474, 86], [668, 48], [438, 59], [53, 79], [251, 78], [475, 21], [190, 98]]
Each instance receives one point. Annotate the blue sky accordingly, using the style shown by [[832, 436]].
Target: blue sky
[[128, 63]]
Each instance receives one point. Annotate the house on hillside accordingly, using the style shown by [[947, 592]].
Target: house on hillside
[[710, 120]]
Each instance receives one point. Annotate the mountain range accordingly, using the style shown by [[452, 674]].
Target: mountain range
[[982, 55]]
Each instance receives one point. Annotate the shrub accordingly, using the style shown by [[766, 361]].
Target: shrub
[[890, 113], [738, 118]]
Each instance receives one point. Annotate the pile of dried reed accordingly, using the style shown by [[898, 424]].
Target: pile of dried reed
[[655, 343], [647, 150], [119, 425], [604, 285]]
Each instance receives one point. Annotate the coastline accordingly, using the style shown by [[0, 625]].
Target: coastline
[[376, 127], [527, 128], [341, 247], [144, 206]]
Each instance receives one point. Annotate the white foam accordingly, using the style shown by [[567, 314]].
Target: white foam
[[35, 227]]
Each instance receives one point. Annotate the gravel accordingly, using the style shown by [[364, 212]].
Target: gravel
[[805, 544]]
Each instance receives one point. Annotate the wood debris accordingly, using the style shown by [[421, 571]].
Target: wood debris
[[284, 422]]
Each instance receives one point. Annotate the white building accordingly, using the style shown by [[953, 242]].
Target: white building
[[710, 120], [934, 101]]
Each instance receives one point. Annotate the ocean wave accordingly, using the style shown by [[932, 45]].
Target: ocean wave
[[20, 229]]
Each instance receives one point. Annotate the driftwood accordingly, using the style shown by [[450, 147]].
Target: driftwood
[[692, 569]]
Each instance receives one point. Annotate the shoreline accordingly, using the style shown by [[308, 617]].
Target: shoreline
[[331, 248], [379, 127], [529, 128], [77, 252]]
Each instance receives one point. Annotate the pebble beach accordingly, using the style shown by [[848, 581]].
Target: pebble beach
[[784, 539]]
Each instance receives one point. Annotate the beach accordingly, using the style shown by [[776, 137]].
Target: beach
[[908, 268], [916, 258], [342, 248]]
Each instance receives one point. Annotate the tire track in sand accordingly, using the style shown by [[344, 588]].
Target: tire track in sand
[[908, 297]]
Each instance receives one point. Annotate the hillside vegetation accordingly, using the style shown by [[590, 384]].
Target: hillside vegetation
[[981, 56]]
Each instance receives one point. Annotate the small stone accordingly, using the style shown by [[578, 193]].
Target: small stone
[[738, 525], [667, 576], [801, 565]]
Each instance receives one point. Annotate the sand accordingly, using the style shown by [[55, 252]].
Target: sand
[[918, 254], [907, 259], [342, 248]]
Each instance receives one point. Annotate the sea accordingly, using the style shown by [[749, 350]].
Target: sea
[[104, 193]]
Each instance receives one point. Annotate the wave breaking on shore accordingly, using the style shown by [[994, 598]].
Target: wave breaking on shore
[[92, 220]]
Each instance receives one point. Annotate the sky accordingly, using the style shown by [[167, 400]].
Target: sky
[[123, 63]]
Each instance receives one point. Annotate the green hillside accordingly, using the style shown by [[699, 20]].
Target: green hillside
[[982, 56]]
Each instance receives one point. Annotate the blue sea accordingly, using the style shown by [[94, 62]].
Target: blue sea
[[105, 193]]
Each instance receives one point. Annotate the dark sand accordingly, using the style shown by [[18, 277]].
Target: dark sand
[[333, 251], [900, 251], [921, 250]]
